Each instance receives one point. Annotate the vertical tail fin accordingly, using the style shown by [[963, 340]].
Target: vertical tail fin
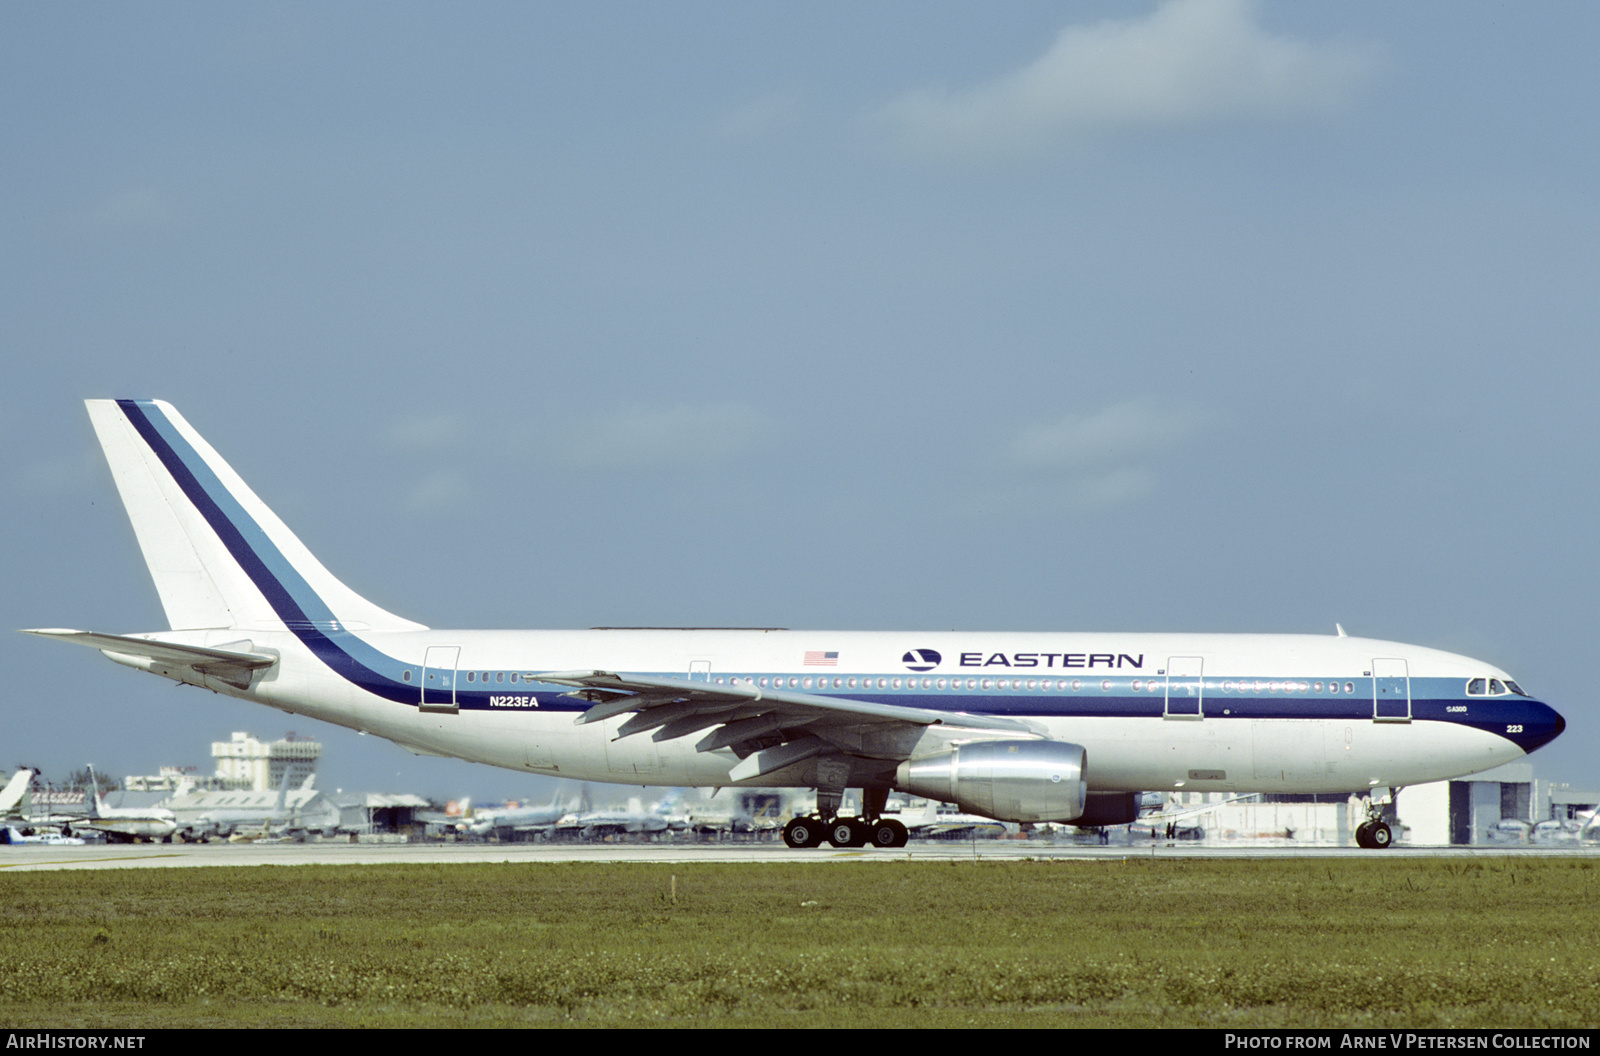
[[91, 798], [17, 798], [218, 555], [278, 810]]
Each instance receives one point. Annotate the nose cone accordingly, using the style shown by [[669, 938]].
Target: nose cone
[[1540, 724]]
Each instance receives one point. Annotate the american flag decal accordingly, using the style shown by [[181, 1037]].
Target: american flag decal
[[814, 658]]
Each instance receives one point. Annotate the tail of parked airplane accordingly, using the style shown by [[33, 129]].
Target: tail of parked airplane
[[220, 558], [91, 798], [17, 798]]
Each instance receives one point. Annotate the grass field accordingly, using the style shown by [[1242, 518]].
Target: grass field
[[1357, 943]]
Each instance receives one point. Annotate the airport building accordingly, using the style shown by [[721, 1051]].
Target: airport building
[[246, 763], [170, 779], [1504, 805]]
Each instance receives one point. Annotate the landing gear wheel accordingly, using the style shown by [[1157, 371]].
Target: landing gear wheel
[[848, 832], [888, 832], [802, 832], [1374, 835]]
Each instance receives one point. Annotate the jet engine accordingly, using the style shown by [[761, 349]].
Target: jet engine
[[1006, 780]]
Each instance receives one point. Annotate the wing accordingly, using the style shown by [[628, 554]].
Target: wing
[[767, 728], [235, 665]]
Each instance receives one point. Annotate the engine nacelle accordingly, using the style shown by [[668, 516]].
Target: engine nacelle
[[1005, 780]]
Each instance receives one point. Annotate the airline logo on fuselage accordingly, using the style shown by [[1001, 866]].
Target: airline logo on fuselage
[[928, 659], [1114, 660]]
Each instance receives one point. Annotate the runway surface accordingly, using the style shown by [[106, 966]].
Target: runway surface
[[29, 858]]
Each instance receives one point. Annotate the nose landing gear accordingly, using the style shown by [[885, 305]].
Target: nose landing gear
[[1374, 834]]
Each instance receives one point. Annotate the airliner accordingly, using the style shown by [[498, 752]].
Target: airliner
[[513, 819], [125, 824], [1019, 727]]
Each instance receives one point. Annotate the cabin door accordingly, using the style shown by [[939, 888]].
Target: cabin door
[[1185, 687], [439, 678], [1391, 691]]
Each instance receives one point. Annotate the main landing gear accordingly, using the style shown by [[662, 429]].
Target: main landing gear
[[872, 829], [845, 832]]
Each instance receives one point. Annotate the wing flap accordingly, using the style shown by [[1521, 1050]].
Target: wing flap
[[767, 760], [767, 729]]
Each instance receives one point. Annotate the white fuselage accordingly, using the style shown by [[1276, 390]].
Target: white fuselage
[[1291, 713]]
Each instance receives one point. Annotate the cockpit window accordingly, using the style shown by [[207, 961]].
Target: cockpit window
[[1492, 687]]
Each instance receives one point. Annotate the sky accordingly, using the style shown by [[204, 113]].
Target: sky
[[1198, 315]]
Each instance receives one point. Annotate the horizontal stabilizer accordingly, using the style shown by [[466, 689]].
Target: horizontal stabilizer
[[234, 667]]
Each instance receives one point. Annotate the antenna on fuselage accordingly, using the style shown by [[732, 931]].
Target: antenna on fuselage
[[1340, 628]]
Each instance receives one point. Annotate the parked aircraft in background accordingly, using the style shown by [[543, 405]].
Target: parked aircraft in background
[[1552, 831], [239, 821], [125, 824], [1012, 726], [16, 799], [10, 834], [16, 804], [1510, 830], [589, 824], [509, 822], [733, 812], [931, 823]]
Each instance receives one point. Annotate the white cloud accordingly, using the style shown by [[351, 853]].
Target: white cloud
[[1106, 458], [685, 435], [1122, 433], [1188, 62], [127, 212]]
